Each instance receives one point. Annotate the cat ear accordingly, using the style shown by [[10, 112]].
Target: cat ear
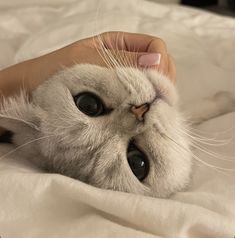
[[16, 114], [16, 125]]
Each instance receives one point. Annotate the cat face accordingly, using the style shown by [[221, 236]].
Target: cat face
[[112, 128]]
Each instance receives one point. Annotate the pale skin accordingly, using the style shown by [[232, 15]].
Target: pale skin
[[129, 46]]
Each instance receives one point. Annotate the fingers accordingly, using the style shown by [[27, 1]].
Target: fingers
[[132, 59], [121, 58], [171, 69], [134, 42], [133, 49], [159, 46]]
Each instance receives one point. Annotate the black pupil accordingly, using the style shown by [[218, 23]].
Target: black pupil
[[89, 104], [137, 162]]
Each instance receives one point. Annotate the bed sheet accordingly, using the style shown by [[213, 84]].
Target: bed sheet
[[35, 204]]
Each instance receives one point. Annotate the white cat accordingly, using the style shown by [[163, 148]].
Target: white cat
[[114, 128]]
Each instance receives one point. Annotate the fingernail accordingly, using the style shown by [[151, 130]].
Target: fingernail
[[149, 59]]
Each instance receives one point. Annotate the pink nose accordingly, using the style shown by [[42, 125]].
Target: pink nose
[[139, 111]]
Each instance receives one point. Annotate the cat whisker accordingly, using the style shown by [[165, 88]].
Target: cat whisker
[[106, 53], [209, 142], [205, 139], [100, 48], [216, 133], [183, 149], [198, 144], [213, 154], [23, 145], [97, 42], [124, 63], [112, 54], [101, 52], [219, 169], [125, 60]]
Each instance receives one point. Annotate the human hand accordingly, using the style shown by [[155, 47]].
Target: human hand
[[127, 49]]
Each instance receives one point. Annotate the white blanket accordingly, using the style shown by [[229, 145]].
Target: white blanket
[[35, 204]]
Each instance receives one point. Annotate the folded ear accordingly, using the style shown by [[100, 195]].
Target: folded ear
[[16, 114], [15, 125]]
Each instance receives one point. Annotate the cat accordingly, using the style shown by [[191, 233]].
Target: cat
[[113, 128]]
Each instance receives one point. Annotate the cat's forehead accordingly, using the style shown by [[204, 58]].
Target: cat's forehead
[[103, 81], [115, 85]]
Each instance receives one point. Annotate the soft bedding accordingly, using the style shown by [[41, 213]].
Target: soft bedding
[[36, 204]]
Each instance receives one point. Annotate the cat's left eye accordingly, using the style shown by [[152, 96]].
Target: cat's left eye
[[138, 162], [89, 104]]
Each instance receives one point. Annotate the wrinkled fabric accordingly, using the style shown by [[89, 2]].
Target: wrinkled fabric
[[36, 204]]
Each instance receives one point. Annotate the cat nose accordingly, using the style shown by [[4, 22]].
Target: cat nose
[[139, 111]]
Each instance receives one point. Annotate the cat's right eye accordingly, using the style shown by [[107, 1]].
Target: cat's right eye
[[138, 162], [89, 104]]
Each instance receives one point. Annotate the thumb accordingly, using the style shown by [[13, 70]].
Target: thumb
[[147, 60], [136, 59]]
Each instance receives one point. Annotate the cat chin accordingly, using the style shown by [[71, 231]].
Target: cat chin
[[55, 135]]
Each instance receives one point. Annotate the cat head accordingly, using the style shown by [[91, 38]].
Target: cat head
[[116, 129]]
